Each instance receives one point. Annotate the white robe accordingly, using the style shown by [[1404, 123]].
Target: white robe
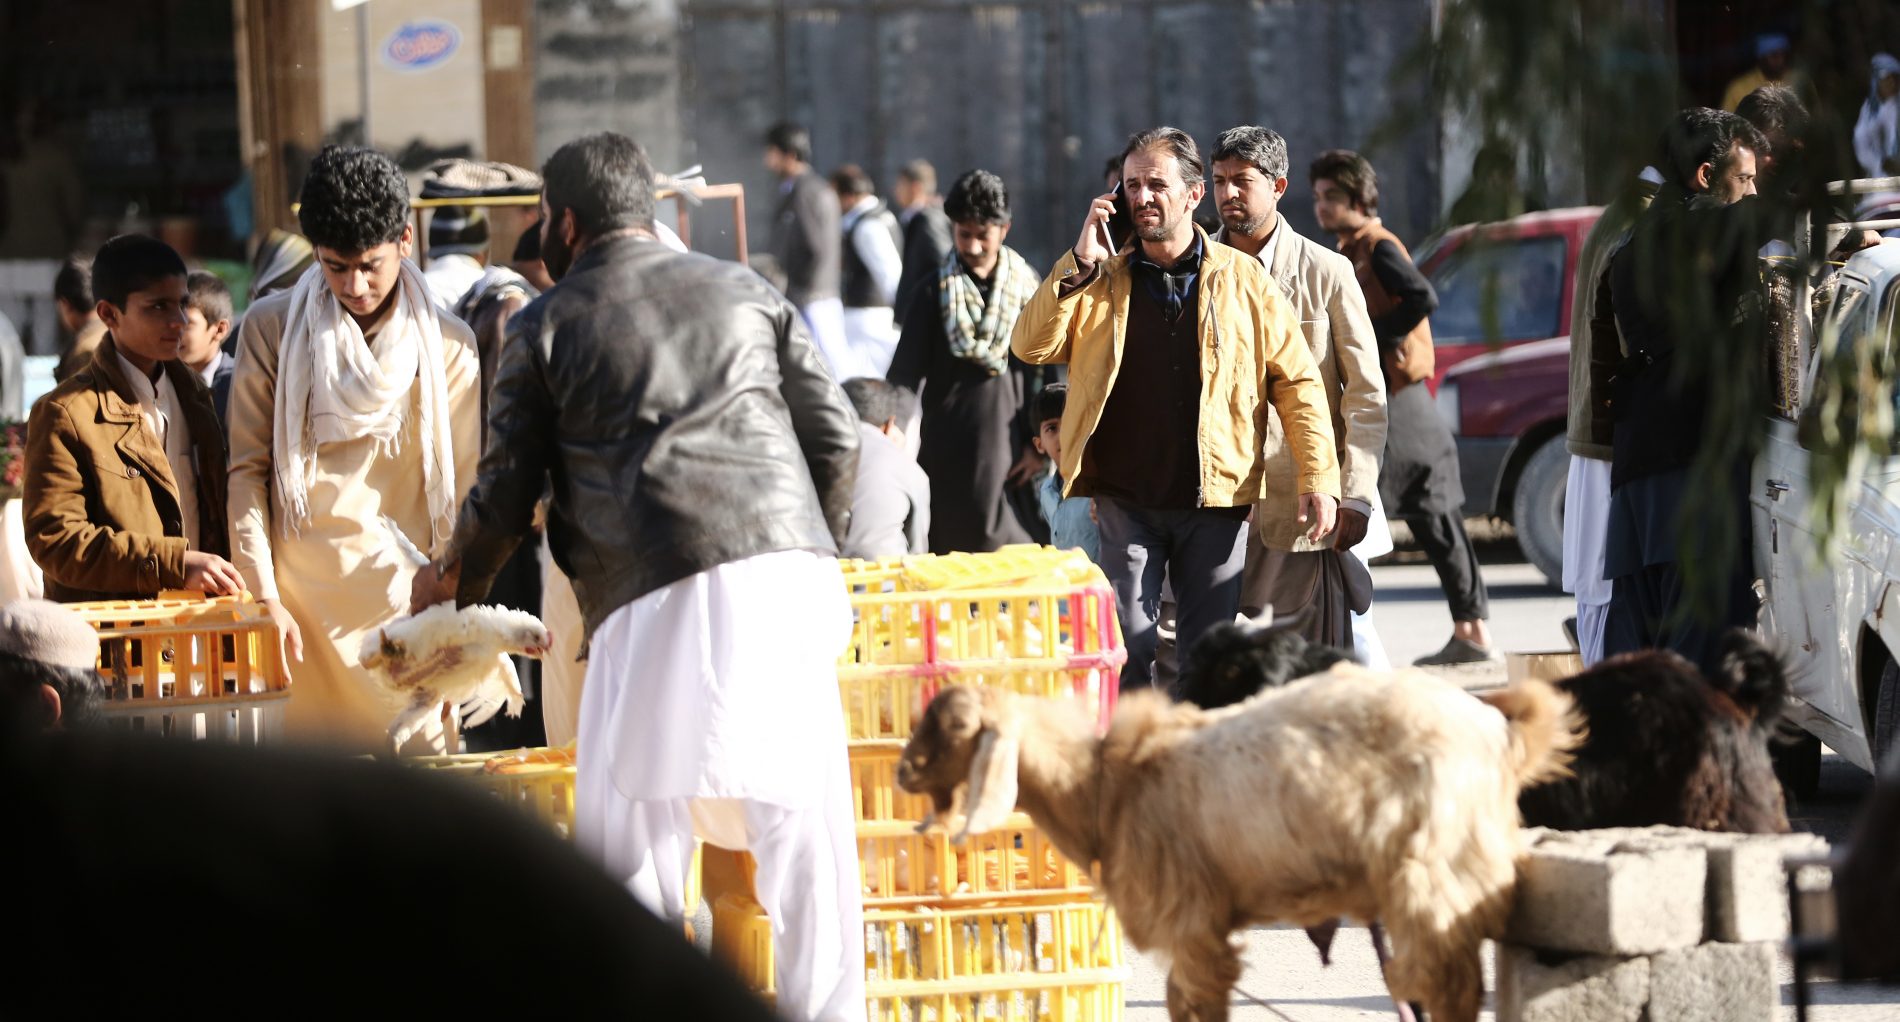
[[711, 711], [339, 574]]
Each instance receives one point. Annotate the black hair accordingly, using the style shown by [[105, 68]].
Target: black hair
[[1700, 135], [850, 181], [81, 691], [353, 199], [1261, 147], [919, 172], [1353, 174], [978, 197], [1050, 403], [528, 246], [73, 284], [1776, 110], [1113, 166], [1173, 141], [132, 262], [877, 401], [790, 138], [209, 296], [605, 178]]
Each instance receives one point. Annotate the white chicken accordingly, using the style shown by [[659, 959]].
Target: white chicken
[[445, 660]]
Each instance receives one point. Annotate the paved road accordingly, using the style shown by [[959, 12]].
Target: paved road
[[1527, 616]]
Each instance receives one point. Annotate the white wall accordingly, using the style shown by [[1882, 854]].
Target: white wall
[[441, 105]]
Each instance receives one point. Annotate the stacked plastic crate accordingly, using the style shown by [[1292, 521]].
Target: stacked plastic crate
[[1003, 927], [191, 667]]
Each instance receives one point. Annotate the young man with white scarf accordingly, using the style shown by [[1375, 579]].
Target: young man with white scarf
[[701, 461], [355, 400]]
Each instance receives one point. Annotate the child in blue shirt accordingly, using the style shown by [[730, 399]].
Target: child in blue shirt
[[1071, 521]]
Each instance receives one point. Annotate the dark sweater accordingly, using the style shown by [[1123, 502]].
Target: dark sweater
[[1403, 282], [1691, 267], [1143, 451], [806, 239]]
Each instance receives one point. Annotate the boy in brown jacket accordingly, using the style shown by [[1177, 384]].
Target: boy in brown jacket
[[125, 460]]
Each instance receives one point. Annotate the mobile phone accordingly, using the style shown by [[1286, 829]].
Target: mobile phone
[[1121, 223]]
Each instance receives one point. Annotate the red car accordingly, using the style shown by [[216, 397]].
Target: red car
[[1502, 336]]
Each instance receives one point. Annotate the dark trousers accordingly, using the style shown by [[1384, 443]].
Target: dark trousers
[[1202, 551], [1648, 610], [1442, 535]]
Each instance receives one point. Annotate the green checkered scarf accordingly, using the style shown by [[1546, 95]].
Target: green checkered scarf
[[978, 330]]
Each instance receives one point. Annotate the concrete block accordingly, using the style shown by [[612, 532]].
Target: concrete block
[[1541, 986], [1748, 890], [1633, 897], [1714, 983], [1747, 898]]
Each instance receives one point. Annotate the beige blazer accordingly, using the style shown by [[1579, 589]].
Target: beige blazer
[[1326, 299]]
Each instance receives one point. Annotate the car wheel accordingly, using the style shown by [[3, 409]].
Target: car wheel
[[1886, 723], [1537, 509]]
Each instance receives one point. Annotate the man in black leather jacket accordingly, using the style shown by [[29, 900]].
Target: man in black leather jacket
[[701, 462], [1689, 398]]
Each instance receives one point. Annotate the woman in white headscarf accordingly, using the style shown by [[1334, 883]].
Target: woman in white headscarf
[[1877, 133]]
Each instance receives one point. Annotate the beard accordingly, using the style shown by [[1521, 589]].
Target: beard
[[556, 255], [1247, 223], [1162, 230]]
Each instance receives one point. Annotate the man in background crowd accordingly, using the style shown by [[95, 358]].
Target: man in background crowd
[[458, 250], [1419, 478], [207, 325], [926, 232], [78, 315], [807, 241], [1312, 587], [869, 269]]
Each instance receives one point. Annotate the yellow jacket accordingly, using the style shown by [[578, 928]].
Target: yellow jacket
[[1254, 362]]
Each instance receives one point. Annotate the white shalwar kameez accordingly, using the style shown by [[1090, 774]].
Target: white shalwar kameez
[[711, 708], [1586, 537]]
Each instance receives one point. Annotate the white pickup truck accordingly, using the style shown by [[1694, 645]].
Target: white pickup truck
[[1837, 618]]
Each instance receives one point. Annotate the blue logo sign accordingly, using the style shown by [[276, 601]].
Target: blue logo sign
[[421, 45]]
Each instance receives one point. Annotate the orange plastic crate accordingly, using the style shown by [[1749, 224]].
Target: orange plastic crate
[[189, 665]]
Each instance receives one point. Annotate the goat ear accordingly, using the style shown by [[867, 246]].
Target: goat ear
[[992, 783]]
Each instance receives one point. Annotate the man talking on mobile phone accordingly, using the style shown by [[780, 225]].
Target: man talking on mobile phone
[[1179, 350]]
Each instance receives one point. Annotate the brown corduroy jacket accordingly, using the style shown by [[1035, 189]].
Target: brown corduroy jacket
[[101, 505]]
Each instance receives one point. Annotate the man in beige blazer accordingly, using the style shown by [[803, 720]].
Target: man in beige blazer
[[1313, 586]]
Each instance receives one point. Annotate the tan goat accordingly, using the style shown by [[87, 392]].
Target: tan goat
[[1388, 795]]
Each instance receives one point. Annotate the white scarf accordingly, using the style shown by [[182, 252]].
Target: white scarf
[[333, 387]]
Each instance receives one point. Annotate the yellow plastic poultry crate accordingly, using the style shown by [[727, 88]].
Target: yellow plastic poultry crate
[[1029, 961], [1038, 621], [190, 666], [875, 796], [539, 782], [1009, 566], [901, 866]]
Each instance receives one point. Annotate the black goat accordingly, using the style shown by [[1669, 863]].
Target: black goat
[[1232, 662], [1668, 745]]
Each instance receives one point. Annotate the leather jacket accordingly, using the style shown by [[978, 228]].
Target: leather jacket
[[679, 410]]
